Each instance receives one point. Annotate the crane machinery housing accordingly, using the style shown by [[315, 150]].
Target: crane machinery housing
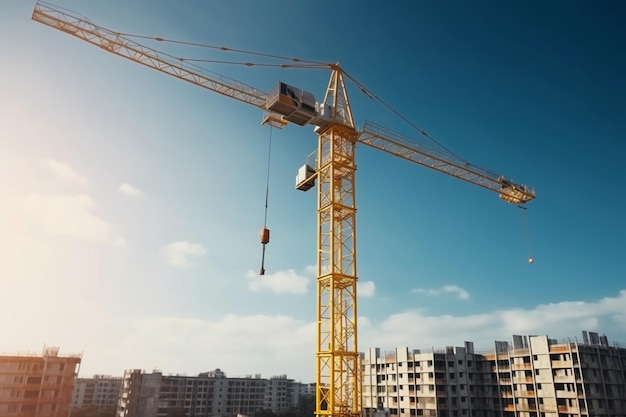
[[337, 355]]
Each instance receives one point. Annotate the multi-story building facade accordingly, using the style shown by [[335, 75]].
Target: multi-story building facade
[[304, 390], [210, 394], [100, 392], [280, 393], [533, 377], [37, 385]]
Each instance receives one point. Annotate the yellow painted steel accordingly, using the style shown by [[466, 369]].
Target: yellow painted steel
[[337, 356], [338, 373]]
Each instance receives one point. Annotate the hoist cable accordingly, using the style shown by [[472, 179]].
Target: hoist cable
[[267, 180], [265, 233]]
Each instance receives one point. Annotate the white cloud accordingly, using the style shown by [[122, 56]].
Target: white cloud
[[280, 344], [129, 190], [61, 215], [417, 329], [455, 290], [245, 344], [179, 253], [242, 344], [424, 291], [366, 289], [40, 201], [64, 172], [120, 242], [280, 282]]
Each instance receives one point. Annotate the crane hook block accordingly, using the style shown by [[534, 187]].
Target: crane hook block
[[265, 236]]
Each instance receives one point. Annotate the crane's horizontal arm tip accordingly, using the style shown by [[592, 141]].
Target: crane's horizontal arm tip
[[443, 161]]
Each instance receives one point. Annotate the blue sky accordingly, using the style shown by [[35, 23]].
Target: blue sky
[[132, 201]]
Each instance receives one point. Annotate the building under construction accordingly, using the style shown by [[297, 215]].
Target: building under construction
[[100, 393], [210, 394], [534, 376], [37, 385]]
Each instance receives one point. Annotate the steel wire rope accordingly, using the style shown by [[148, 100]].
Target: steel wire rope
[[267, 180], [299, 63], [57, 8], [265, 231], [182, 61], [253, 64], [221, 48], [373, 96], [309, 64]]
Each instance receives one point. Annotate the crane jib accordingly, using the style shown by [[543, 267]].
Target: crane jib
[[424, 154]]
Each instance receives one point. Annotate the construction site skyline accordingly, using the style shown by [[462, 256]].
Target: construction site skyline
[[132, 201], [583, 375], [584, 338]]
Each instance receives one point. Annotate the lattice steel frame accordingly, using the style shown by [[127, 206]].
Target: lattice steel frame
[[337, 356]]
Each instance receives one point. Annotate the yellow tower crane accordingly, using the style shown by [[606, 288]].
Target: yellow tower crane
[[337, 356]]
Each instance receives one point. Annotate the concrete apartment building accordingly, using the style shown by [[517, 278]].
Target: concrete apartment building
[[533, 377], [304, 390], [37, 385], [100, 392], [210, 394]]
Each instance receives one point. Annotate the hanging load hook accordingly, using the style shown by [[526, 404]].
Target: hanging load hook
[[265, 232], [265, 239]]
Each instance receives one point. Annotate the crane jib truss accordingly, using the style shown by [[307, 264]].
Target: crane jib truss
[[337, 355]]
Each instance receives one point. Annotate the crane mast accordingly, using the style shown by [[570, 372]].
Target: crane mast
[[337, 356], [338, 382]]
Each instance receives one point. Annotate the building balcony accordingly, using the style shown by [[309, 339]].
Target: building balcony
[[566, 394], [521, 366], [547, 408], [527, 407], [559, 348]]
